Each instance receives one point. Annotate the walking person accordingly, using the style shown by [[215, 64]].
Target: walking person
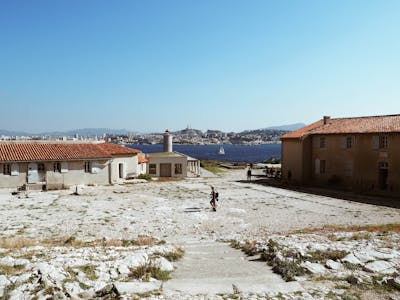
[[249, 174], [213, 198]]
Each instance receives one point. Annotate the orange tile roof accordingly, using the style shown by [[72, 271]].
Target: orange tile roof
[[58, 151], [142, 159], [304, 131], [115, 149], [373, 124]]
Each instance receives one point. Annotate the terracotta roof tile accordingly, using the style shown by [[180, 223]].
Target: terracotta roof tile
[[373, 124], [304, 131], [59, 151], [115, 149], [142, 159]]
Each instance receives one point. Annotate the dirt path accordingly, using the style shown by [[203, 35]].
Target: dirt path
[[210, 267]]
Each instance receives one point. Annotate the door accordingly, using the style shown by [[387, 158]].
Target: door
[[33, 175], [165, 170], [121, 169], [41, 173], [383, 175]]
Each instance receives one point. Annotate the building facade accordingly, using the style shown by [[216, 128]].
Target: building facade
[[171, 164], [359, 154], [61, 165]]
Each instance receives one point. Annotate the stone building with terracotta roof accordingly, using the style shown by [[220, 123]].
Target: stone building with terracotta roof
[[63, 164], [360, 154]]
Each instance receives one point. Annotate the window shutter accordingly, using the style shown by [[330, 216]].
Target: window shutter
[[316, 142], [95, 168], [375, 142], [124, 173], [343, 142], [14, 169], [348, 171], [64, 167], [317, 166]]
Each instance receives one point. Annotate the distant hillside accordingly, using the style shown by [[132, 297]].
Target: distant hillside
[[13, 133], [80, 132], [290, 127]]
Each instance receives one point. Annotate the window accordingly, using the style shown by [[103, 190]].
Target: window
[[349, 142], [57, 167], [322, 166], [152, 169], [178, 168], [322, 142], [40, 167], [383, 142], [86, 166], [6, 169], [348, 168]]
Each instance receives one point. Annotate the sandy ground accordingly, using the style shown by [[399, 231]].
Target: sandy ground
[[179, 213]]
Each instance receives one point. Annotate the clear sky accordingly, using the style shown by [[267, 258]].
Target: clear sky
[[229, 65]]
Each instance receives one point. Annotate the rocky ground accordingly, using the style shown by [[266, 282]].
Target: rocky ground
[[126, 241]]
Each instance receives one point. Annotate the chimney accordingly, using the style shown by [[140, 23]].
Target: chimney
[[167, 141], [326, 119]]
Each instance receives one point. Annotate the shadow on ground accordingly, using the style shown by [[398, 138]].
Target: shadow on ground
[[381, 200]]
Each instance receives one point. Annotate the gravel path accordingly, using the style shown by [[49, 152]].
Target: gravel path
[[209, 267]]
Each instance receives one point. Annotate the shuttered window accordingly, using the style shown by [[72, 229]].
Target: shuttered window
[[383, 142], [57, 167], [14, 170], [322, 166], [375, 142], [64, 167], [95, 168], [6, 169], [86, 166], [152, 169], [317, 166]]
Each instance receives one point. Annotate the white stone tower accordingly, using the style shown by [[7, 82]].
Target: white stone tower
[[167, 141]]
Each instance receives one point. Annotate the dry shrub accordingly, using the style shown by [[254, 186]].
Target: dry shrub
[[17, 243], [379, 228]]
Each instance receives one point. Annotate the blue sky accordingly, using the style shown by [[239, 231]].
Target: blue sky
[[229, 65]]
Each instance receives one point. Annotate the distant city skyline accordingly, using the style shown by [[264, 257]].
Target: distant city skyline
[[230, 65]]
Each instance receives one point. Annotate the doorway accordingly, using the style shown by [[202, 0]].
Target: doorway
[[383, 175], [33, 176], [165, 170], [121, 170]]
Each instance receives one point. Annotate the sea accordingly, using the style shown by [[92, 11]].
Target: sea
[[233, 153]]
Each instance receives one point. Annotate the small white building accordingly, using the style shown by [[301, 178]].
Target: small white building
[[64, 164], [170, 163]]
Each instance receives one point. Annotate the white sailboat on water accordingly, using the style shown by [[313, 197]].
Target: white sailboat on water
[[221, 151]]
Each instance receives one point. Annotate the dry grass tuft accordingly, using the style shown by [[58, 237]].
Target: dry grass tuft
[[17, 243], [71, 241], [380, 228]]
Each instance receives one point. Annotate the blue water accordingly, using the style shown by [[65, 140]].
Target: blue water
[[233, 153]]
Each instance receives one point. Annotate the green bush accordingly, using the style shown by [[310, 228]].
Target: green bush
[[144, 176]]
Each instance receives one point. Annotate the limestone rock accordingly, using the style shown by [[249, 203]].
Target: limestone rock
[[4, 282], [333, 265], [136, 287], [135, 259], [364, 256], [380, 266], [314, 268], [350, 258], [109, 291], [21, 262], [7, 261], [50, 274], [163, 264]]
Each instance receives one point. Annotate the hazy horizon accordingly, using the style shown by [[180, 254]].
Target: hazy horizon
[[228, 65]]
